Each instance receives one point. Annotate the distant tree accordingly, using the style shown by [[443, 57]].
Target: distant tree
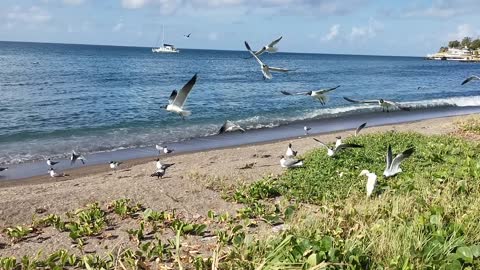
[[454, 44], [475, 45], [443, 49], [466, 41]]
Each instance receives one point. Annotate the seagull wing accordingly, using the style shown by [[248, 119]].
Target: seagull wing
[[260, 52], [172, 97], [359, 128], [293, 94], [181, 96], [321, 143], [223, 128], [470, 79], [253, 54], [273, 43], [292, 161], [323, 91], [400, 157], [347, 145], [373, 101], [278, 69], [389, 158]]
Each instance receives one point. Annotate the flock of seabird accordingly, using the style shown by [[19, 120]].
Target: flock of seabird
[[177, 101]]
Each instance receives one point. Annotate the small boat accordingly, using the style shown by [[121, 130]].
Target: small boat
[[165, 48]]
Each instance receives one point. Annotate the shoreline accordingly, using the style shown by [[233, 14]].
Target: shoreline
[[36, 172]]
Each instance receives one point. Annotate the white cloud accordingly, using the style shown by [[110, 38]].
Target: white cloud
[[366, 32], [32, 15], [118, 27], [464, 30], [443, 8], [333, 33]]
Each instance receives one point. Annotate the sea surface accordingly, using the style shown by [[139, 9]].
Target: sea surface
[[55, 97]]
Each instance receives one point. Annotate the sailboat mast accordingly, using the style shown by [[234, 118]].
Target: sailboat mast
[[163, 34]]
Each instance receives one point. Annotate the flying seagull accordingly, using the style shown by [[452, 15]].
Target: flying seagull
[[371, 182], [74, 157], [114, 164], [290, 153], [187, 36], [290, 162], [306, 129], [393, 166], [3, 169], [270, 48], [319, 95], [471, 78], [163, 166], [177, 99], [163, 149], [265, 68], [51, 163], [357, 131], [229, 126], [331, 151], [385, 104]]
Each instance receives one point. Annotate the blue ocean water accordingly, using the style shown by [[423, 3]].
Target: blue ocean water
[[57, 97]]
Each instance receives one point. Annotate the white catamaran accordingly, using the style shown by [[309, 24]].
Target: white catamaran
[[166, 48]]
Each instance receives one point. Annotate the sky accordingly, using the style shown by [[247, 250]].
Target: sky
[[374, 27]]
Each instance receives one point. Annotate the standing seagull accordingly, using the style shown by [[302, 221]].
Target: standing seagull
[[177, 99], [163, 166], [393, 166], [160, 172], [114, 165], [385, 104], [371, 182], [306, 129], [290, 153], [53, 173], [265, 68], [270, 48], [229, 126], [357, 131], [332, 151], [471, 78], [74, 157], [290, 162], [319, 95], [51, 163], [163, 149]]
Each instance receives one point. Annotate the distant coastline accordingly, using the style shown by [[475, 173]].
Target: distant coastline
[[468, 50]]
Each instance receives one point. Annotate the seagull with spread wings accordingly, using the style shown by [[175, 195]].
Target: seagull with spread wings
[[266, 70], [357, 131], [177, 99], [332, 151], [393, 165], [385, 104], [229, 126], [270, 48], [319, 95], [471, 78]]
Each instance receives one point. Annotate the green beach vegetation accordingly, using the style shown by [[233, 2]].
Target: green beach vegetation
[[466, 42], [315, 217]]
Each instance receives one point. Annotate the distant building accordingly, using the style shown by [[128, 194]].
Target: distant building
[[455, 54]]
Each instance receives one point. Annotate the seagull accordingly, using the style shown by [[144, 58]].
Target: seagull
[[53, 173], [270, 48], [385, 104], [114, 164], [160, 172], [163, 166], [371, 182], [471, 78], [393, 166], [331, 151], [177, 99], [357, 131], [316, 94], [74, 157], [306, 129], [290, 162], [290, 153], [265, 68], [51, 163], [3, 169], [163, 149], [187, 36], [229, 126]]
